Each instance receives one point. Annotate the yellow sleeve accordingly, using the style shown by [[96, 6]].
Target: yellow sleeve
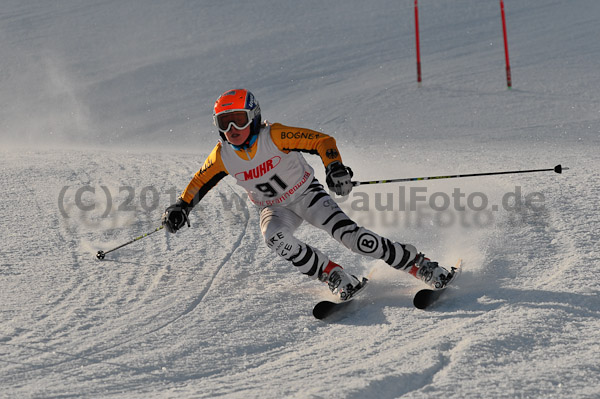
[[206, 178], [288, 138]]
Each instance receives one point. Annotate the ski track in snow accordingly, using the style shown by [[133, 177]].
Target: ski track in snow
[[502, 292], [114, 105]]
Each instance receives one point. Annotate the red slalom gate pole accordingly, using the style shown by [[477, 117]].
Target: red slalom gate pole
[[418, 43], [508, 74]]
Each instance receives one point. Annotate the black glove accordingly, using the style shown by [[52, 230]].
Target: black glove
[[176, 216], [339, 178]]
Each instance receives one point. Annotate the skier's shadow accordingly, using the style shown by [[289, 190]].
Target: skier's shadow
[[371, 307], [471, 295], [583, 305]]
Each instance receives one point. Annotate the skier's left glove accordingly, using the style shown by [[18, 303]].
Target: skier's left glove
[[339, 178], [176, 216]]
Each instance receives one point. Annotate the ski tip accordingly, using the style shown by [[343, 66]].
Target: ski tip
[[426, 297], [326, 308], [458, 264], [323, 309], [456, 270]]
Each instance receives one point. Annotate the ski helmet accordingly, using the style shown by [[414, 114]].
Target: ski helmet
[[239, 108]]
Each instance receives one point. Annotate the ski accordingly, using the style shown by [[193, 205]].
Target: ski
[[326, 309], [427, 297]]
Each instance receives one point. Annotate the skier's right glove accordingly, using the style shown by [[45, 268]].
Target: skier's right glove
[[176, 216], [339, 178]]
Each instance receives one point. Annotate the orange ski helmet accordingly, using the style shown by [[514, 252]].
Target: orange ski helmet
[[237, 108]]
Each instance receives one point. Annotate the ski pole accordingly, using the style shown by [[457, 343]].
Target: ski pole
[[557, 169], [418, 44], [508, 74], [101, 254]]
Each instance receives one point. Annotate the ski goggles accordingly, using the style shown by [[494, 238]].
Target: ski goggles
[[239, 118]]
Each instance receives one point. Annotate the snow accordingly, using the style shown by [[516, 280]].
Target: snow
[[105, 114]]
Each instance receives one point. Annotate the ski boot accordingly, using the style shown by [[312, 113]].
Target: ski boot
[[430, 272], [341, 284]]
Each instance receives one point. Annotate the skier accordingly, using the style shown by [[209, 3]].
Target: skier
[[266, 160]]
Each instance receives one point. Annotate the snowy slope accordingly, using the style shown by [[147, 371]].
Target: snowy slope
[[105, 116]]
